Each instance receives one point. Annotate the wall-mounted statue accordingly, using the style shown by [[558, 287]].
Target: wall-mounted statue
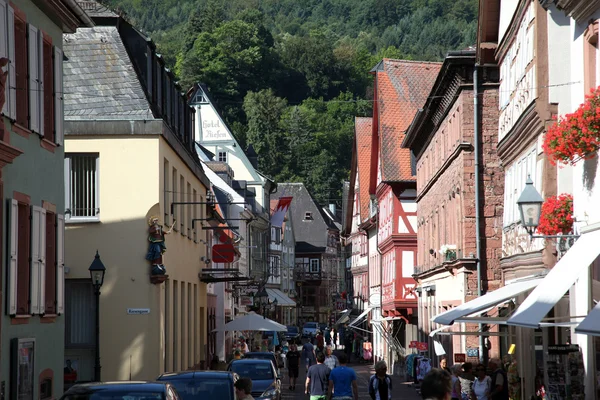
[[157, 247]]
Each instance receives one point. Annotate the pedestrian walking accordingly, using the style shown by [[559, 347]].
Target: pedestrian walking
[[334, 336], [308, 355], [331, 360], [456, 388], [317, 379], [436, 385], [293, 363], [499, 388], [380, 384], [482, 384], [320, 341], [444, 365], [348, 338], [243, 388], [466, 381], [328, 336], [342, 382]]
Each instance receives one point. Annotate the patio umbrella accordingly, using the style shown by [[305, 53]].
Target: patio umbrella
[[253, 322]]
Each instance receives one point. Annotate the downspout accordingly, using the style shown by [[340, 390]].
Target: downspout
[[477, 133], [380, 282]]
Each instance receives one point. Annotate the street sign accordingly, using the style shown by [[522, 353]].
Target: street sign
[[460, 357], [472, 352], [138, 311], [412, 344], [422, 346], [223, 253]]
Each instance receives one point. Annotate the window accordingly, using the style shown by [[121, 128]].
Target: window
[[314, 265], [188, 208], [195, 217], [514, 183], [20, 239], [81, 187], [50, 273], [166, 193], [222, 157], [79, 317], [183, 206], [308, 216], [174, 179]]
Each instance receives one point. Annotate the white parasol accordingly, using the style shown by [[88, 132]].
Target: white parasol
[[252, 322]]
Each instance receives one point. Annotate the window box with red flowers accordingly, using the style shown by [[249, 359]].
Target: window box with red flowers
[[575, 136], [557, 215]]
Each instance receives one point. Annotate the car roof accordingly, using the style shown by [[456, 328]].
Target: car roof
[[196, 374], [250, 361], [139, 386], [263, 353]]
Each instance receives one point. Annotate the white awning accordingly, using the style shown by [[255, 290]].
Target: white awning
[[360, 317], [344, 317], [282, 299], [560, 278], [591, 324], [486, 301]]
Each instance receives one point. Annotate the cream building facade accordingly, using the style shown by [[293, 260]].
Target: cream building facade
[[128, 158]]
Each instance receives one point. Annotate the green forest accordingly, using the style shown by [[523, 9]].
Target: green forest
[[289, 76]]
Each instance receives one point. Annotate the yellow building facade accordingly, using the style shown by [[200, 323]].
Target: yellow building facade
[[145, 328]]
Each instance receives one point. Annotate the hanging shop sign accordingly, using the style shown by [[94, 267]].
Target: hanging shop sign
[[460, 357]]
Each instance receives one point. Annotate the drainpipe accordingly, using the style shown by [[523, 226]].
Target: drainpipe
[[477, 133]]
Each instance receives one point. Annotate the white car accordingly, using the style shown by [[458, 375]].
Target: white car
[[310, 329]]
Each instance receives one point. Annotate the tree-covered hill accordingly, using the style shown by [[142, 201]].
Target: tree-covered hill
[[290, 75]]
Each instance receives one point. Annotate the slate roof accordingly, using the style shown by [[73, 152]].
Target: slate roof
[[95, 9], [99, 79], [402, 89], [363, 128], [311, 236]]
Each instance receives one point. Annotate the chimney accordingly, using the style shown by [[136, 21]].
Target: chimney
[[252, 156]]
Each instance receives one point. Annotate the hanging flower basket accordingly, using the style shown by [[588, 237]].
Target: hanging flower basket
[[556, 215], [575, 136]]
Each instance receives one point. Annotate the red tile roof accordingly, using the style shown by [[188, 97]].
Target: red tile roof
[[363, 130], [402, 89]]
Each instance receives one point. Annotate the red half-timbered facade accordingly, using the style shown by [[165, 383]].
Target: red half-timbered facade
[[401, 89]]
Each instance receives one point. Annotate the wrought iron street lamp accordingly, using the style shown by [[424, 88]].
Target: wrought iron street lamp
[[530, 208], [97, 271]]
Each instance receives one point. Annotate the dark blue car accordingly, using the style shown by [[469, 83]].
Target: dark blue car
[[265, 383], [196, 385], [130, 390]]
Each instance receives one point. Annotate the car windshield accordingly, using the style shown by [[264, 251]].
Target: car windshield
[[292, 329], [259, 356], [109, 394], [202, 388], [311, 325], [254, 371]]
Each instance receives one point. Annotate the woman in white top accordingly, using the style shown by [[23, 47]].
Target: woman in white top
[[482, 384]]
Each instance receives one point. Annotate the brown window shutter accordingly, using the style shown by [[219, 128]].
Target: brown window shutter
[[23, 259], [48, 80], [21, 70], [50, 304]]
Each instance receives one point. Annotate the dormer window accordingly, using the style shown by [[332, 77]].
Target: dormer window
[[222, 156], [308, 216]]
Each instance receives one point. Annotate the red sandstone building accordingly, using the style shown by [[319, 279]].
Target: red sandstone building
[[441, 137]]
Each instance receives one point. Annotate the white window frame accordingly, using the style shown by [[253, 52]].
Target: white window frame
[[37, 293], [314, 262], [35, 44], [68, 201], [514, 183]]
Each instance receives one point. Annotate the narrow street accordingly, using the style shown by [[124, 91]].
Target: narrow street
[[402, 390]]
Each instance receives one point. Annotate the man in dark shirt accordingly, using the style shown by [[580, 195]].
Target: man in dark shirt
[[293, 364], [380, 384], [317, 379]]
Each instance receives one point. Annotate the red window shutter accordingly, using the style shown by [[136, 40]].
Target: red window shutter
[[48, 80], [50, 301], [21, 70], [23, 260]]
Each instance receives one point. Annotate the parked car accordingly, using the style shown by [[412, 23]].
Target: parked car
[[309, 329], [322, 327], [264, 355], [292, 334], [130, 390], [196, 385], [265, 383]]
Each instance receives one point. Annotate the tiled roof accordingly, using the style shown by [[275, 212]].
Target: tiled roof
[[99, 79], [363, 130], [402, 89]]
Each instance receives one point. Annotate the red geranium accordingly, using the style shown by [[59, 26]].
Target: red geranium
[[575, 136], [557, 215]]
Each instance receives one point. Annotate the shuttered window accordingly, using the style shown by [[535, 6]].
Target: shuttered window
[[79, 314], [60, 264], [51, 253], [81, 187], [36, 79], [22, 95], [48, 94], [19, 245], [58, 96], [37, 289], [7, 50]]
